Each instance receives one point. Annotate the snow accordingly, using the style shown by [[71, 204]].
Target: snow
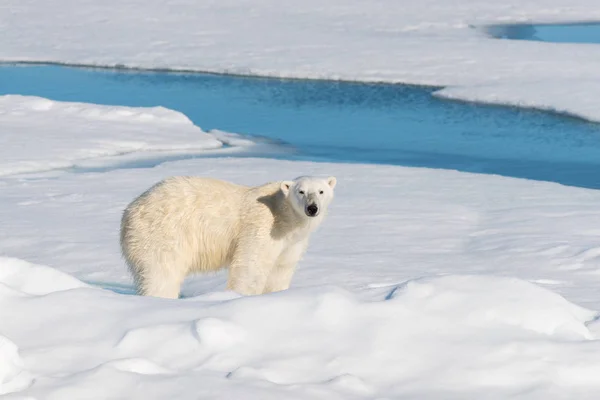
[[77, 133], [421, 283], [12, 376], [550, 96], [435, 221], [429, 42], [464, 336]]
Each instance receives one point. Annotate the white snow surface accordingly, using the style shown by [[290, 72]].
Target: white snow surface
[[40, 134], [457, 336], [551, 96], [12, 375], [433, 42], [421, 284]]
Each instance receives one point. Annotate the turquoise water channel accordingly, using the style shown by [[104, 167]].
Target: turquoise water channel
[[341, 121], [558, 33]]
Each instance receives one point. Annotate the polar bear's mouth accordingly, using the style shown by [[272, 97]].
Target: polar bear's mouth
[[312, 210]]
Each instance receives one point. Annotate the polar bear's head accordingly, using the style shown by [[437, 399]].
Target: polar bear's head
[[309, 196]]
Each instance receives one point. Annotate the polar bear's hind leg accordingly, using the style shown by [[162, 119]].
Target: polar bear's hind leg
[[161, 282]]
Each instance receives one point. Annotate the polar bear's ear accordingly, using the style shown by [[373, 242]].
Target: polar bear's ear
[[331, 181], [286, 186]]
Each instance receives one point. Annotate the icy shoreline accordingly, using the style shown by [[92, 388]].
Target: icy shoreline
[[429, 43]]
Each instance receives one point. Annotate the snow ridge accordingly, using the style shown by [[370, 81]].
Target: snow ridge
[[477, 332]]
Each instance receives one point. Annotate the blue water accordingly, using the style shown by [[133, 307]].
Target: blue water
[[350, 122], [558, 33]]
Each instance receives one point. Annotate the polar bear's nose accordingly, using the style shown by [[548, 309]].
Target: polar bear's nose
[[312, 210]]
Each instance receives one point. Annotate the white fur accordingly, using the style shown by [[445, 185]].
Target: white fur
[[185, 225]]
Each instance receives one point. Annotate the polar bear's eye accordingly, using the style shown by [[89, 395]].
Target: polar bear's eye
[[301, 191], [320, 192]]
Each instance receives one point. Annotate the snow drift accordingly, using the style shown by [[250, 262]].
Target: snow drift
[[13, 377], [41, 134], [421, 337]]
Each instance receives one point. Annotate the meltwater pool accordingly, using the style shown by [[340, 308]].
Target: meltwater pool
[[343, 121]]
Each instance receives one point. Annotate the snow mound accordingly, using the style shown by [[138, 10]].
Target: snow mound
[[21, 105], [65, 132], [480, 301], [12, 376], [422, 337], [24, 277]]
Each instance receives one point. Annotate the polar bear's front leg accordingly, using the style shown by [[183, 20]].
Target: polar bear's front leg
[[280, 278], [250, 268], [281, 275]]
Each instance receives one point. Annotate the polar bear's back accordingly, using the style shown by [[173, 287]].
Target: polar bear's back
[[188, 218], [181, 197]]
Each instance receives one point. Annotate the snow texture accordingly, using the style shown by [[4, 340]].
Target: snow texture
[[12, 375], [38, 134], [421, 284], [456, 336], [555, 97], [433, 222], [432, 42]]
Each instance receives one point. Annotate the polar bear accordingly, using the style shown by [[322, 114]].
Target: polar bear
[[185, 225]]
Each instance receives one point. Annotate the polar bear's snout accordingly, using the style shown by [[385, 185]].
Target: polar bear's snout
[[312, 210]]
